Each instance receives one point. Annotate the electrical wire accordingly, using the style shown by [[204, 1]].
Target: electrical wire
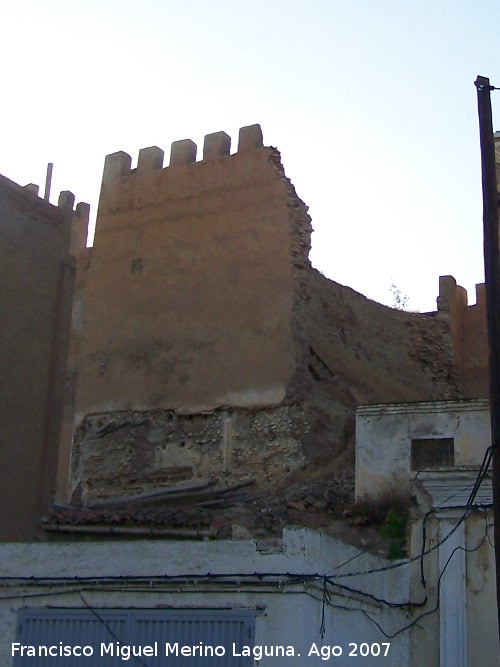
[[481, 475], [438, 596], [281, 579], [113, 634], [327, 580]]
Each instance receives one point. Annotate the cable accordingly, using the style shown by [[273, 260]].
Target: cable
[[327, 580], [375, 598], [481, 475], [467, 508], [103, 622], [482, 87], [235, 579], [409, 560], [436, 606]]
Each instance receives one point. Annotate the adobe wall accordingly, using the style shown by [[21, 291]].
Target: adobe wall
[[468, 328], [188, 307], [190, 290], [37, 280], [82, 257], [208, 349], [374, 353], [360, 351]]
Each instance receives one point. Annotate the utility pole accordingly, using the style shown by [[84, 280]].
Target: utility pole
[[492, 281]]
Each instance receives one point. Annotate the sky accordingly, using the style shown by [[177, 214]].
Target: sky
[[371, 103]]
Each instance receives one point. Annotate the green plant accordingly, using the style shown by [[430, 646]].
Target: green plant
[[389, 514], [394, 529]]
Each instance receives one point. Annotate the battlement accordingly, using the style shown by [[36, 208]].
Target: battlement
[[468, 330], [198, 262], [64, 211], [66, 200], [452, 296], [118, 166]]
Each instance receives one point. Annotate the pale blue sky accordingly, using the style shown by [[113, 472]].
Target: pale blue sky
[[372, 105]]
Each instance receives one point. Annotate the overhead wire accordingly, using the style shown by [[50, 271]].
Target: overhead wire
[[328, 580], [328, 586]]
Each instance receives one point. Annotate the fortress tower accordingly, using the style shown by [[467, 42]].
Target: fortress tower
[[189, 295], [204, 347]]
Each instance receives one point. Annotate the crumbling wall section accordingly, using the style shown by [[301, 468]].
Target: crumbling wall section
[[362, 352], [300, 229], [130, 452]]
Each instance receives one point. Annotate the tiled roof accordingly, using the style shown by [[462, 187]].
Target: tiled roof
[[196, 508]]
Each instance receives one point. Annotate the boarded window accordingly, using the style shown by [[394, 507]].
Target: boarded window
[[432, 453], [109, 631]]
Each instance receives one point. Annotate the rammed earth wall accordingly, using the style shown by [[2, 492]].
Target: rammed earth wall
[[37, 275], [201, 325], [190, 291]]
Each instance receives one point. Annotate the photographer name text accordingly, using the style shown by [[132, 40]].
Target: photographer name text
[[126, 652]]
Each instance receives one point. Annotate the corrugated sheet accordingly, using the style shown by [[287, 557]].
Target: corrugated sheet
[[200, 629]]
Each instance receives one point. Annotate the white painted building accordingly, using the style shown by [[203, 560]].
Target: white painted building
[[434, 451], [265, 595], [306, 598]]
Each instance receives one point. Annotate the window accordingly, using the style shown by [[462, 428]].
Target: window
[[104, 637], [432, 453]]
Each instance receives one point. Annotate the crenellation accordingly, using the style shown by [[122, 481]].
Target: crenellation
[[481, 295], [447, 286], [451, 295], [497, 147], [250, 137], [462, 297], [66, 200], [216, 145], [79, 228], [83, 210], [468, 331], [182, 152], [116, 166], [150, 159], [32, 187]]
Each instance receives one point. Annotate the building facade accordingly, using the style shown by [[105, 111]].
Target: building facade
[[196, 487]]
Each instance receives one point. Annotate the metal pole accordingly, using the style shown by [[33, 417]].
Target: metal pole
[[48, 181], [492, 281]]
